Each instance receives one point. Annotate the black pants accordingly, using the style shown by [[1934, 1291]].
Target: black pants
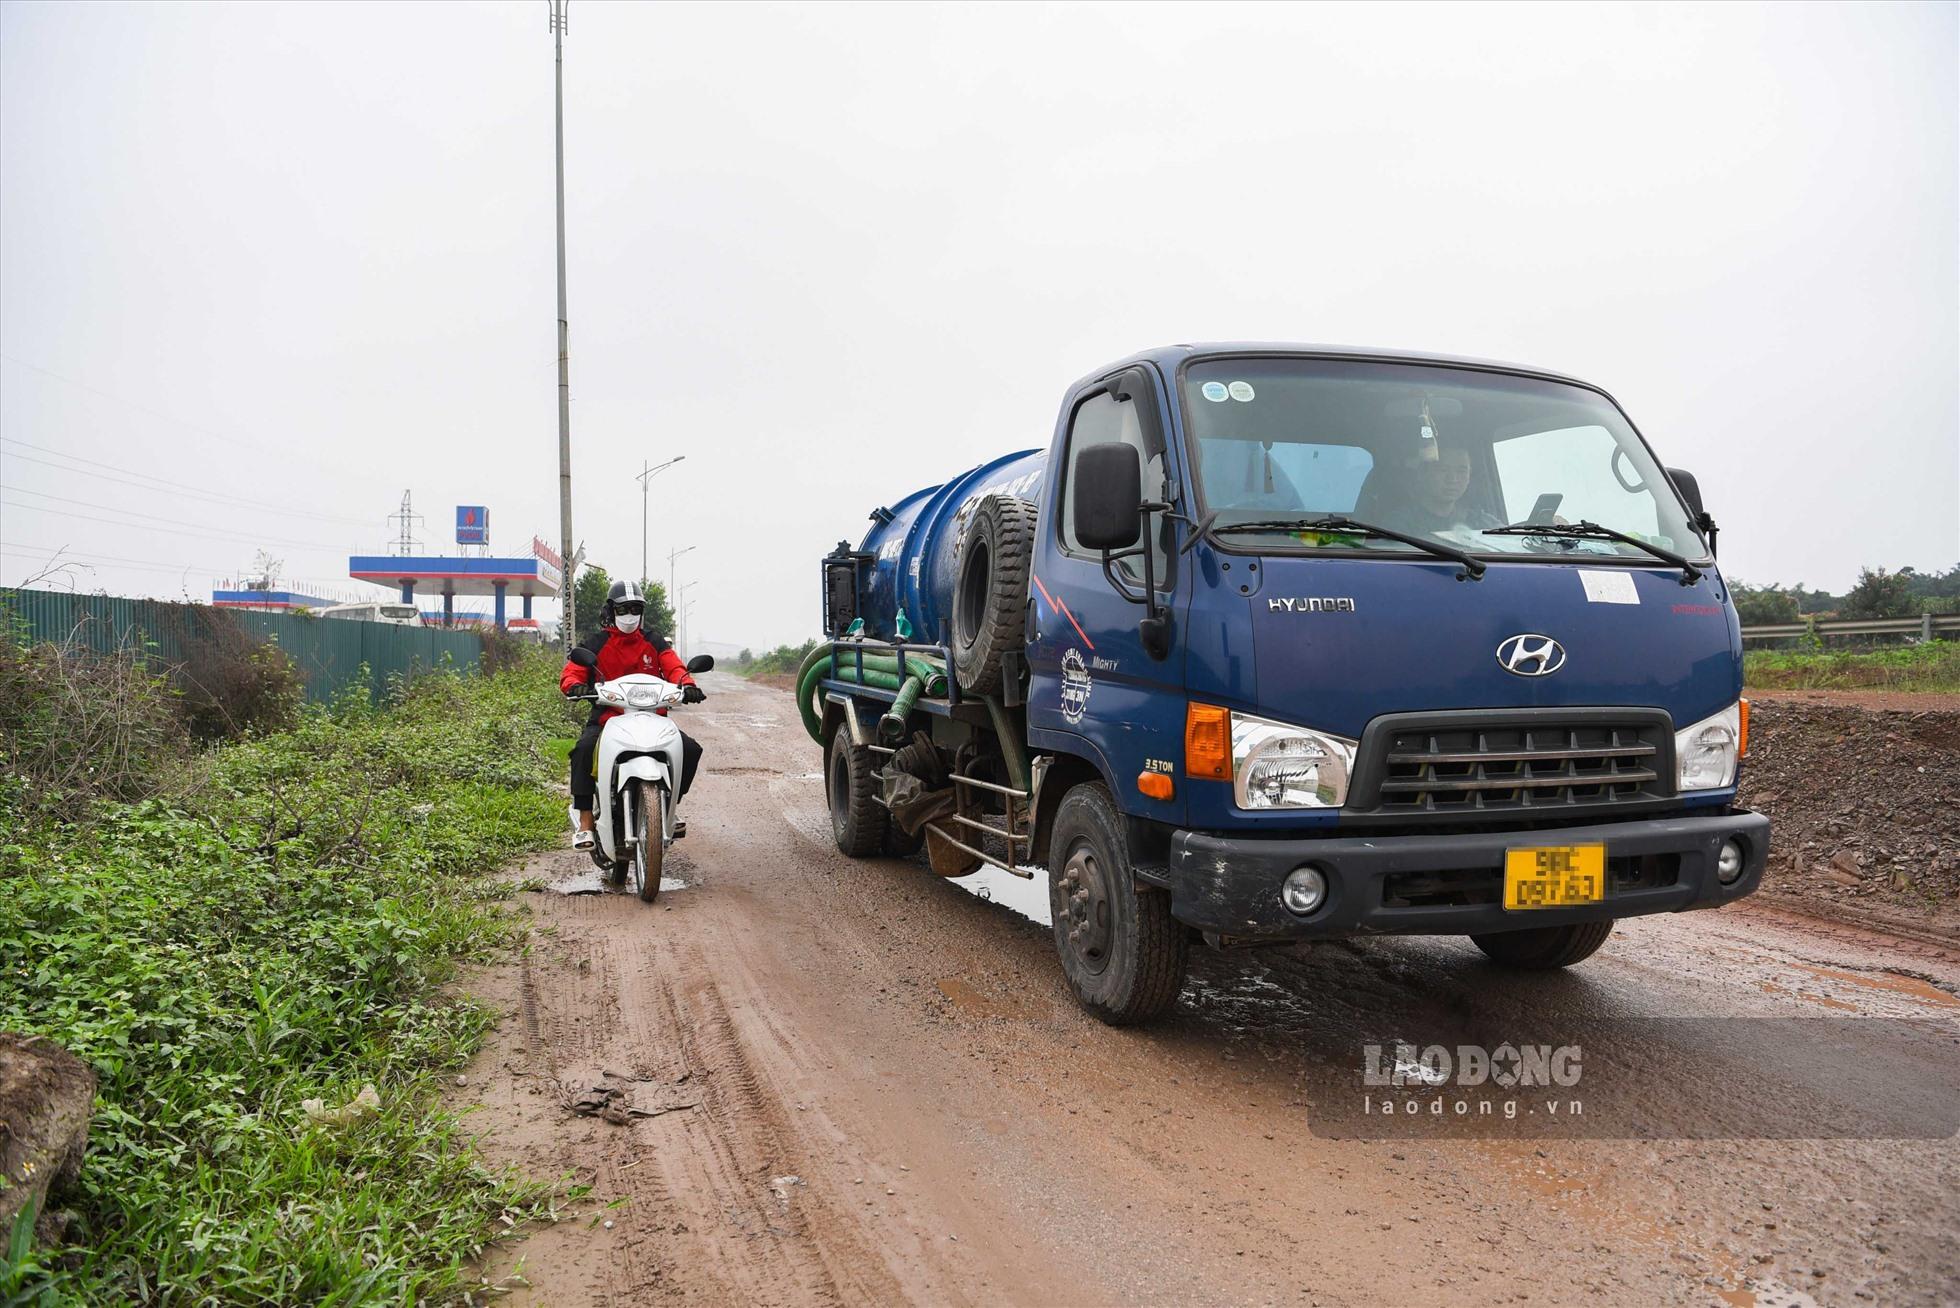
[[585, 785]]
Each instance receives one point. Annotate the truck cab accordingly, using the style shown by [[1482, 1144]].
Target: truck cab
[[1325, 642]]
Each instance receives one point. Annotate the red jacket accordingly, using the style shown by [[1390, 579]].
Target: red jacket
[[620, 654]]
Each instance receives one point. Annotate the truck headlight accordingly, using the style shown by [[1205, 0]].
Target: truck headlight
[[1275, 765], [1705, 754]]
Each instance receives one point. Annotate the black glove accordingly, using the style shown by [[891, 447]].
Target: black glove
[[584, 690], [692, 694]]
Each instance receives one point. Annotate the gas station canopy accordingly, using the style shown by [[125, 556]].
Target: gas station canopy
[[539, 574]]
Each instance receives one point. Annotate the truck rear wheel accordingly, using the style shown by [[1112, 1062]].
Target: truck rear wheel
[[990, 597], [857, 819], [1540, 949], [1123, 953]]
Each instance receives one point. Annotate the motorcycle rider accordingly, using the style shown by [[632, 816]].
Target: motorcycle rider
[[622, 648]]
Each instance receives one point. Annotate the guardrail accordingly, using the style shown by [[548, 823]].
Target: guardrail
[[1926, 626]]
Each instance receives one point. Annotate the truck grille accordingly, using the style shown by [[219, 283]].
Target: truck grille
[[1528, 763]]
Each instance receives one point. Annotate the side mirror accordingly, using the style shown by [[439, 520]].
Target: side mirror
[[584, 657], [1684, 481], [701, 663], [1108, 496]]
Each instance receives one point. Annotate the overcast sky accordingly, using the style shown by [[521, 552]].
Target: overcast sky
[[300, 257]]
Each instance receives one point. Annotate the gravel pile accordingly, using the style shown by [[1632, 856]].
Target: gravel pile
[[1866, 805]]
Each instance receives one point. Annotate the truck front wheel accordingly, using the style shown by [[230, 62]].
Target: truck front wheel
[[1123, 953], [1540, 949]]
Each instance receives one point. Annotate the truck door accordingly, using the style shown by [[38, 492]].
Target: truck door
[[1093, 690]]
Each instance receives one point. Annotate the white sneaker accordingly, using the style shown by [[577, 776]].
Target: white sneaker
[[583, 839]]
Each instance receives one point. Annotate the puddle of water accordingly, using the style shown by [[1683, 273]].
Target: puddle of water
[[594, 883], [1028, 897], [1904, 985]]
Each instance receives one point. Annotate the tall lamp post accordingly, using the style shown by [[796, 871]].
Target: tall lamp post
[[680, 616], [684, 613], [647, 474], [673, 573], [569, 604]]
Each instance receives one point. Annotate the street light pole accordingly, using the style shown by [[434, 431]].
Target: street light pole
[[680, 614], [568, 605], [647, 475], [673, 573]]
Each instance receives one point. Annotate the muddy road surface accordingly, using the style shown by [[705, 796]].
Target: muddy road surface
[[835, 1081]]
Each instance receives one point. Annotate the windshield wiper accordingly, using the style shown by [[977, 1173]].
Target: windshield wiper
[[1473, 567], [1593, 531]]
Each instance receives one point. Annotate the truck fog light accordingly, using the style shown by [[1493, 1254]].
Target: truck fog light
[[1728, 863], [1304, 891]]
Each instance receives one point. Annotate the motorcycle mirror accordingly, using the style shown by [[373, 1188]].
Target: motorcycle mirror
[[584, 657], [701, 663]]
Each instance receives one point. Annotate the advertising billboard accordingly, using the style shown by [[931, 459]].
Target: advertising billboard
[[472, 524]]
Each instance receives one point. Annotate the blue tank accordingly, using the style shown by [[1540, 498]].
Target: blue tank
[[913, 546]]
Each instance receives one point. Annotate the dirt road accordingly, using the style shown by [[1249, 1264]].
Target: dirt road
[[881, 1092]]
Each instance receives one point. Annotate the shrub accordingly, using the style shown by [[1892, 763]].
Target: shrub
[[231, 681], [79, 727]]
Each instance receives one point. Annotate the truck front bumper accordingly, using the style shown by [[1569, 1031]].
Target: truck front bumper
[[1452, 884]]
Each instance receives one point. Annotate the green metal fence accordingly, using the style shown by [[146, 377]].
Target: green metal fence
[[329, 652]]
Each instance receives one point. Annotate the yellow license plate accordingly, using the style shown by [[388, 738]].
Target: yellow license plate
[[1555, 876]]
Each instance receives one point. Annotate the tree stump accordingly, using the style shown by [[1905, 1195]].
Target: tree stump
[[46, 1097]]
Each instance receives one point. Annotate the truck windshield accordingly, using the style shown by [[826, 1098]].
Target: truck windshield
[[1442, 453]]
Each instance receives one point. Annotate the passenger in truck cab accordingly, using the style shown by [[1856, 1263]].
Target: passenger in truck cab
[[1436, 496]]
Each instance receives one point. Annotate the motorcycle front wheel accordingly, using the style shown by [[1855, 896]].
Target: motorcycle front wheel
[[649, 850]]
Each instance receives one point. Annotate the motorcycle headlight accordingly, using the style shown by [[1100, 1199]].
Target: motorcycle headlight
[[643, 697], [1705, 754], [1275, 765]]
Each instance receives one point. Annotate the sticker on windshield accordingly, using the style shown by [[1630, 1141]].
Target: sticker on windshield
[[1214, 391], [1608, 587], [1240, 390]]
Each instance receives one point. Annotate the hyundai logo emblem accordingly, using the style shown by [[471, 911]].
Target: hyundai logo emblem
[[1531, 655]]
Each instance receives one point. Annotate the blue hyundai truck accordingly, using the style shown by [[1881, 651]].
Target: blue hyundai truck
[[1279, 643]]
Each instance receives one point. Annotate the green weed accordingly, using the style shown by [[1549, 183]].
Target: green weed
[[278, 928], [1934, 666]]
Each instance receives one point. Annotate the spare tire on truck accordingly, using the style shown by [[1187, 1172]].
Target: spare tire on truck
[[990, 596]]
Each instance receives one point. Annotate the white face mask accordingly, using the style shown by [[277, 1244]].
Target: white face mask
[[627, 622]]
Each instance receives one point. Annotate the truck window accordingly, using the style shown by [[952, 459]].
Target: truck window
[[1283, 475], [1099, 420], [1575, 464]]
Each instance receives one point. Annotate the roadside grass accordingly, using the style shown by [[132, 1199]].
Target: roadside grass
[[1934, 666], [276, 928]]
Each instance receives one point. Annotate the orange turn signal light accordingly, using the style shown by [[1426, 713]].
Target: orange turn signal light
[[1207, 741], [1155, 785], [1742, 742]]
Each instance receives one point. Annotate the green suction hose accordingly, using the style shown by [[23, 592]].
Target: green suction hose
[[892, 725]]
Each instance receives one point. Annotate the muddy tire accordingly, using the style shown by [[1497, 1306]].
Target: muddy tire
[[857, 819], [649, 799], [990, 597], [1540, 949], [1122, 952]]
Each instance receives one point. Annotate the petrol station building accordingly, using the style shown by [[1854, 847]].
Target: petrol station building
[[472, 571]]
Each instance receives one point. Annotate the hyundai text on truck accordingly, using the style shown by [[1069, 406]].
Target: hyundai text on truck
[[1281, 643]]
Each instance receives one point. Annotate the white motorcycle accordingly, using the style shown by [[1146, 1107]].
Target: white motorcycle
[[638, 769]]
